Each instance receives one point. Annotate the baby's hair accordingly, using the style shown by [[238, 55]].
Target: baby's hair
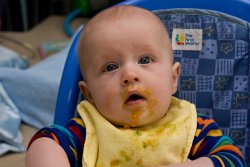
[[117, 12]]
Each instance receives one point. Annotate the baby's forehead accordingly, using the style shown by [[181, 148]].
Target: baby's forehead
[[120, 13]]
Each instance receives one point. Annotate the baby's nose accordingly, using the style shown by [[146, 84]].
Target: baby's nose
[[130, 78]]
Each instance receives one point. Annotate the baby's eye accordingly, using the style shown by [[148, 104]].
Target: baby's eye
[[145, 60], [110, 67]]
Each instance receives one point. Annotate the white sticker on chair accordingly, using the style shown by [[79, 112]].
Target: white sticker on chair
[[187, 39]]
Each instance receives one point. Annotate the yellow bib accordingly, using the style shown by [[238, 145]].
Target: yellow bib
[[169, 140]]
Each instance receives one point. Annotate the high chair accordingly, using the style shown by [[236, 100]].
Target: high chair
[[214, 71]]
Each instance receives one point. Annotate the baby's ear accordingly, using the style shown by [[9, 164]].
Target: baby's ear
[[85, 91], [176, 74]]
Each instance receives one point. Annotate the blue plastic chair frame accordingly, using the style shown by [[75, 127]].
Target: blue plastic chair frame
[[237, 8], [68, 91]]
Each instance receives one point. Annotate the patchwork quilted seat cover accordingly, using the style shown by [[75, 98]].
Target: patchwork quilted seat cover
[[216, 78]]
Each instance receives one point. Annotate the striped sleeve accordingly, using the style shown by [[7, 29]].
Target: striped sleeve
[[210, 142], [71, 138]]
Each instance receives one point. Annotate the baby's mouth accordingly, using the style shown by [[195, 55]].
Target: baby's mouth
[[134, 99]]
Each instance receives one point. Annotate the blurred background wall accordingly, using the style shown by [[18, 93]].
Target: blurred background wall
[[22, 15]]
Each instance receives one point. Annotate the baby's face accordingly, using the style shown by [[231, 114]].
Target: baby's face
[[130, 76]]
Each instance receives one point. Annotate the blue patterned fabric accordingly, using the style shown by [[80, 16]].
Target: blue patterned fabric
[[216, 78]]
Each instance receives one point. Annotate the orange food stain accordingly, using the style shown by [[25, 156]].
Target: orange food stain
[[114, 163]]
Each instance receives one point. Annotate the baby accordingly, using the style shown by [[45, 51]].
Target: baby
[[130, 117]]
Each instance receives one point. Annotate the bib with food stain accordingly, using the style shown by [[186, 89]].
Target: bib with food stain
[[166, 141]]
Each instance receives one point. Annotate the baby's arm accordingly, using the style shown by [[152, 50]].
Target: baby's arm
[[46, 152], [209, 142], [57, 143]]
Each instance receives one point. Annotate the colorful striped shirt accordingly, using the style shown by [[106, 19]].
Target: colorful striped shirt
[[208, 142]]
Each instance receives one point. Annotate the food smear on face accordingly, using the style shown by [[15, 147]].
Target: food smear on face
[[137, 111]]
